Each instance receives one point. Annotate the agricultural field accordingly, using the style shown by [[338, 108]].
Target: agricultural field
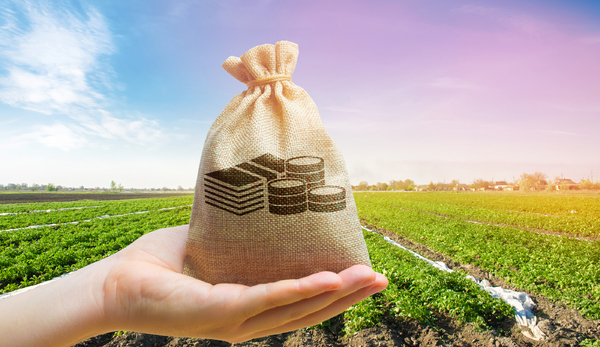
[[528, 243]]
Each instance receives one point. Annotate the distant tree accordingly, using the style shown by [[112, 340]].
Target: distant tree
[[454, 184], [479, 184], [534, 181], [165, 189], [431, 186], [51, 187], [179, 188], [113, 185], [120, 187], [363, 185], [588, 184], [35, 187], [81, 188], [381, 186]]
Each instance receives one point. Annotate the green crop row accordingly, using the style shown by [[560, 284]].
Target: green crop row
[[416, 290], [572, 224], [32, 256], [34, 206], [558, 205], [560, 268], [93, 209]]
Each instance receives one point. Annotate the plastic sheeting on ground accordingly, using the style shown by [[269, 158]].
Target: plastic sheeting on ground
[[89, 220], [519, 300]]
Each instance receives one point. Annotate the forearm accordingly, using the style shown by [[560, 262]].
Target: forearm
[[60, 313]]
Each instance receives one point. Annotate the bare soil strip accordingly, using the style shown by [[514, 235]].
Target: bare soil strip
[[541, 231]]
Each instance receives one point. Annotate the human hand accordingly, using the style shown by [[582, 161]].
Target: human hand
[[145, 291], [141, 288]]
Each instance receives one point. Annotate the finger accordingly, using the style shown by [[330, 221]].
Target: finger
[[262, 297], [330, 311], [354, 278]]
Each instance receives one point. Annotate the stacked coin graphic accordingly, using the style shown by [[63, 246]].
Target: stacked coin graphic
[[327, 199], [293, 186], [287, 196], [234, 191], [307, 168]]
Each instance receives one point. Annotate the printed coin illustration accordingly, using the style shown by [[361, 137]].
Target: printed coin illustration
[[309, 176], [304, 164], [288, 209], [287, 199], [326, 194], [329, 207], [286, 186], [312, 185]]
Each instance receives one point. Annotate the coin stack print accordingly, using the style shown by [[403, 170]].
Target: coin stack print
[[293, 186], [307, 168], [287, 196], [327, 199]]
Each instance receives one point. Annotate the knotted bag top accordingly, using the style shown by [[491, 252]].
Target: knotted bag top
[[264, 64]]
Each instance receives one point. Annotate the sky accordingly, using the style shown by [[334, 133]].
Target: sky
[[430, 90]]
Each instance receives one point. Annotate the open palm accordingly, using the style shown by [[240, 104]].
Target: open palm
[[145, 291]]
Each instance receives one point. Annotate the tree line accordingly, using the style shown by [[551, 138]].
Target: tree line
[[406, 185], [51, 187], [536, 181]]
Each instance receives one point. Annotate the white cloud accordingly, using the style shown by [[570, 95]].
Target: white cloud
[[55, 64], [58, 135], [51, 63]]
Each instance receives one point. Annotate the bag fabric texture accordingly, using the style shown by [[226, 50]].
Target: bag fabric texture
[[273, 200]]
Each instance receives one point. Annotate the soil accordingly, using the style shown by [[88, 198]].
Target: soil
[[562, 325], [20, 198]]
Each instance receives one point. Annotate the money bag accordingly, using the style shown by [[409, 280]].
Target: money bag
[[273, 200]]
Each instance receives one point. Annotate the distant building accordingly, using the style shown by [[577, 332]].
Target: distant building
[[500, 185], [566, 184]]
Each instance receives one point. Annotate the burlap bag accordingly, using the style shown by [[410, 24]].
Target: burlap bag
[[273, 199]]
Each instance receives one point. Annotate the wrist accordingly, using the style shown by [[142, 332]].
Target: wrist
[[60, 313]]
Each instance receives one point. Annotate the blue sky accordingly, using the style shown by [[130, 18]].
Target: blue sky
[[429, 90]]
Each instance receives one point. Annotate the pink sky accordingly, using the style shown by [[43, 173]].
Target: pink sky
[[427, 90]]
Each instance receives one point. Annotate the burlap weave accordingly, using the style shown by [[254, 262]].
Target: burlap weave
[[273, 199]]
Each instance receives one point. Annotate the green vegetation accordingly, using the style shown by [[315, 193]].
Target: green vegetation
[[88, 210], [573, 215], [417, 290], [560, 268], [31, 256]]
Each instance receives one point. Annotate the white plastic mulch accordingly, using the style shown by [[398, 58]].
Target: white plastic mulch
[[520, 301], [85, 220]]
